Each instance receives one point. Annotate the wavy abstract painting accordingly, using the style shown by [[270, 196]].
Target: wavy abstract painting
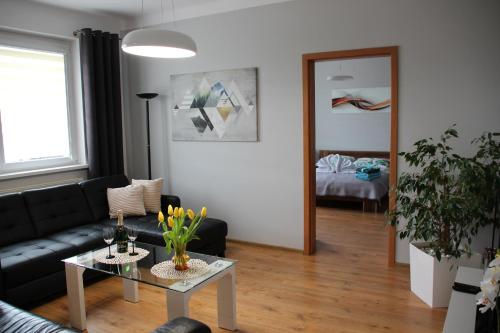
[[360, 103], [361, 100]]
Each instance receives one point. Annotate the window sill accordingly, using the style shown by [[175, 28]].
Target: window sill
[[30, 173]]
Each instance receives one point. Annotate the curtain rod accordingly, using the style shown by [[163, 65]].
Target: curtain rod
[[79, 32]]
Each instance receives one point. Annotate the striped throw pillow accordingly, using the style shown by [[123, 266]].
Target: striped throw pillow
[[152, 193], [130, 199]]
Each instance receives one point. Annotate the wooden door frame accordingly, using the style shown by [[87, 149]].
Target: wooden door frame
[[309, 137]]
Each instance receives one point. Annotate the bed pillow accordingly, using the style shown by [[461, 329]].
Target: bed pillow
[[366, 162], [334, 163], [381, 161], [152, 193], [130, 199], [363, 162]]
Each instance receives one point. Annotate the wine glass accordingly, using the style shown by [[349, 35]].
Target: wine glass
[[132, 235], [109, 235]]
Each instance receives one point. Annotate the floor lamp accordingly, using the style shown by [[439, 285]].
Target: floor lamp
[[147, 97]]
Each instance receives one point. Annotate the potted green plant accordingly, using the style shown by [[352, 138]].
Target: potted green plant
[[483, 175], [439, 220]]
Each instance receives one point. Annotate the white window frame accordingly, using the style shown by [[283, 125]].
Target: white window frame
[[69, 48]]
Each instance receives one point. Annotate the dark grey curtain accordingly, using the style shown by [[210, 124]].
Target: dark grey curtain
[[100, 61]]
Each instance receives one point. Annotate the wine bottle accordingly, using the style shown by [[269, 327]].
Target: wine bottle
[[121, 234]]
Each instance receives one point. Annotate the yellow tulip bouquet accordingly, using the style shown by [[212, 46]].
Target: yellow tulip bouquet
[[177, 235]]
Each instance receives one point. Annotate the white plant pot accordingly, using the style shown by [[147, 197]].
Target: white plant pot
[[431, 280]]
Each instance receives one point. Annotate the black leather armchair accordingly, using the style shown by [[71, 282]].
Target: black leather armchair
[[183, 325], [2, 289], [14, 320]]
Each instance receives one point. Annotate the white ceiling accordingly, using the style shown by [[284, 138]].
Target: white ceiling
[[131, 9]]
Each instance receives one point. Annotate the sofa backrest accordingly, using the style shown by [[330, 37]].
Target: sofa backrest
[[57, 208], [95, 191], [15, 223]]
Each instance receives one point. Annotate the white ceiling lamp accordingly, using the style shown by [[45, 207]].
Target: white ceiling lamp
[[158, 43], [341, 76]]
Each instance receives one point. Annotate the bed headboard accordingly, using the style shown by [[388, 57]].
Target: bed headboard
[[356, 154]]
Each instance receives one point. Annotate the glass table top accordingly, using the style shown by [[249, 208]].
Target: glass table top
[[141, 270]]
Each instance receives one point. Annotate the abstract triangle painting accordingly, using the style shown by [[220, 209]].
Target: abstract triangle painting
[[208, 105]]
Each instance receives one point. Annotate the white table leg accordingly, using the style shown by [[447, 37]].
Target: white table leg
[[226, 301], [76, 297], [177, 304], [130, 290]]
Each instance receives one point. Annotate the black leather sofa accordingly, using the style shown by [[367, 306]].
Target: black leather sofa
[[39, 228], [14, 320]]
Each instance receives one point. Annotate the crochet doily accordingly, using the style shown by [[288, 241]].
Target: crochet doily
[[166, 270], [120, 258]]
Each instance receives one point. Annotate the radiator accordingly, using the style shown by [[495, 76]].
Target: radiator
[[40, 185]]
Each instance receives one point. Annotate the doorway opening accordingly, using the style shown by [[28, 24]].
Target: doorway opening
[[348, 85]]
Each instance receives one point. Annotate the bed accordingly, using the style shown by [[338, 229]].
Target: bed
[[346, 187]]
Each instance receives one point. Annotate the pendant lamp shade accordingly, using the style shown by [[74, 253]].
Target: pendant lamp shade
[[158, 43], [339, 78]]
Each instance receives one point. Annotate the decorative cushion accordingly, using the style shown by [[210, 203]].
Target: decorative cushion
[[152, 193], [15, 224], [130, 199], [57, 208], [95, 191]]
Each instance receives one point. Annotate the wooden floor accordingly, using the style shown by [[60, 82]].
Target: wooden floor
[[345, 287]]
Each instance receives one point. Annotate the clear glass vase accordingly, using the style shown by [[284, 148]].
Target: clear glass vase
[[180, 258]]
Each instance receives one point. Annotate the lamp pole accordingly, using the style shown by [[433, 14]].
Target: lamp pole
[[147, 97]]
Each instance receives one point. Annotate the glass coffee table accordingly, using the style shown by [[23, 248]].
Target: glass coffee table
[[178, 292]]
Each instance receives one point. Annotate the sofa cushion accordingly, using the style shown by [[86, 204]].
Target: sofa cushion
[[147, 226], [84, 238], [15, 223], [95, 191], [57, 208], [29, 260]]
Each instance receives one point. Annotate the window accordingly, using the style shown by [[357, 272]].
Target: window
[[40, 119]]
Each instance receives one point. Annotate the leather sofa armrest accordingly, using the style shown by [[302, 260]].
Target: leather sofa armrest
[[166, 200], [184, 325]]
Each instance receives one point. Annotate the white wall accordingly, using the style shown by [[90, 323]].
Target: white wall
[[449, 73], [42, 19], [368, 131], [36, 17]]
